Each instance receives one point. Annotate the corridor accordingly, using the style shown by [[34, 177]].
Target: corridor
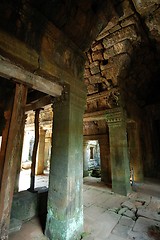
[[109, 216]]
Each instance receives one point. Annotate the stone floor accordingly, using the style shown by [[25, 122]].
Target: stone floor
[[109, 216]]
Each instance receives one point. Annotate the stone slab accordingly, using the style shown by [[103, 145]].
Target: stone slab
[[121, 230], [143, 224], [126, 221], [147, 213]]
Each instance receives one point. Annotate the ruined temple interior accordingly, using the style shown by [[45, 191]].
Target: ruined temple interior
[[80, 103]]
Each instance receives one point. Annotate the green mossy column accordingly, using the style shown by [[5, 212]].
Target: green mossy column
[[65, 210], [119, 151], [135, 151]]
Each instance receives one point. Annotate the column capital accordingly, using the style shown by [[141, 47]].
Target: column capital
[[115, 116], [76, 94]]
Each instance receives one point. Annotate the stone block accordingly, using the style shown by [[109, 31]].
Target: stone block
[[129, 32], [86, 81], [143, 224], [145, 7], [126, 221], [109, 74], [114, 29], [98, 55], [95, 78], [129, 205], [112, 24], [91, 89], [123, 47], [127, 9], [89, 57], [87, 73], [97, 46], [109, 53], [138, 236], [24, 206], [115, 237], [148, 214], [111, 218], [132, 20], [121, 230], [130, 214], [94, 67], [122, 210]]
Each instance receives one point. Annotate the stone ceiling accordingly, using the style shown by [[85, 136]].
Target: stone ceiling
[[121, 39], [123, 62]]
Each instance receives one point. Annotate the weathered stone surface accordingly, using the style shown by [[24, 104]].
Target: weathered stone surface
[[122, 210], [144, 7], [153, 23], [129, 32], [98, 55], [121, 230], [95, 78], [127, 9], [97, 46], [109, 53], [15, 225], [132, 20], [29, 205], [94, 67], [143, 224], [91, 89], [129, 205], [115, 237], [148, 214], [130, 214], [89, 57], [65, 213], [86, 81], [123, 47], [87, 73], [138, 236], [114, 29], [126, 221], [112, 221]]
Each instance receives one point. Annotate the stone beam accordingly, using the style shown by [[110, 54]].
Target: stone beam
[[101, 115], [101, 94], [11, 71], [46, 100], [95, 116]]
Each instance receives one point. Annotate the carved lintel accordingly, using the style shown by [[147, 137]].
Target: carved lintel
[[115, 116]]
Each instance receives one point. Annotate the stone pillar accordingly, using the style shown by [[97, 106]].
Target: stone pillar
[[41, 152], [119, 151], [85, 158], [47, 151], [16, 187], [13, 147], [34, 153], [65, 201], [26, 145], [105, 160], [135, 151]]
